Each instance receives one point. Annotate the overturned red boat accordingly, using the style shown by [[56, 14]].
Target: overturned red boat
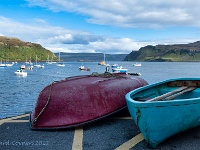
[[82, 99]]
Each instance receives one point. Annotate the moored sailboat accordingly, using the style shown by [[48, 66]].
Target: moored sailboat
[[2, 65], [38, 65], [103, 63], [60, 64]]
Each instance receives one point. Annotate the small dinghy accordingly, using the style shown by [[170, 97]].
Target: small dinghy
[[166, 108], [119, 70], [80, 100], [20, 72], [84, 68]]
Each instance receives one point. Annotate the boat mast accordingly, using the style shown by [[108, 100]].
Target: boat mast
[[59, 56], [36, 59]]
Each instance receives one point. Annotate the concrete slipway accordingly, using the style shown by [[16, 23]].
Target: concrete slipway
[[117, 132]]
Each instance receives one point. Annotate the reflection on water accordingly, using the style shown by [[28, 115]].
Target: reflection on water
[[19, 94]]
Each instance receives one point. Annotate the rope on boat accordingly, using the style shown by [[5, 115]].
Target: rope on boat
[[48, 100], [94, 74]]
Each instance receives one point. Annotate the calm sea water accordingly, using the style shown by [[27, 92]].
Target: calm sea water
[[18, 95]]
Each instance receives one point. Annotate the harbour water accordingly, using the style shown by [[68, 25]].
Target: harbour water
[[19, 94]]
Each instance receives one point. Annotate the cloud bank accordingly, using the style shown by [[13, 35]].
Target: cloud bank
[[66, 40], [137, 14], [126, 13]]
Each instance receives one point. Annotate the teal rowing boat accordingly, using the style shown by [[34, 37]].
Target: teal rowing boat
[[166, 108]]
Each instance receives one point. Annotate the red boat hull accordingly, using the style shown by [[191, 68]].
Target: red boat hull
[[81, 99]]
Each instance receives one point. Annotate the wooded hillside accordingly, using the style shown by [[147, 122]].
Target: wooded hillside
[[13, 49]]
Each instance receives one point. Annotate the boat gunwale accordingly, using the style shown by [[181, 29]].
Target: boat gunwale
[[31, 124], [167, 103]]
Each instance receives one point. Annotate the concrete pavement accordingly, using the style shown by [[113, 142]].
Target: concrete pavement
[[115, 132]]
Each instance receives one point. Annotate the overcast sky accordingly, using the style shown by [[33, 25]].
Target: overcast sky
[[106, 26]]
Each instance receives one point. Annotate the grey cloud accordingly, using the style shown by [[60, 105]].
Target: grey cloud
[[82, 39]]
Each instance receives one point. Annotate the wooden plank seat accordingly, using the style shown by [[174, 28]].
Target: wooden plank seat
[[171, 95]]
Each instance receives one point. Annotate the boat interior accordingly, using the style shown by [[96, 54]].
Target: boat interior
[[173, 90]]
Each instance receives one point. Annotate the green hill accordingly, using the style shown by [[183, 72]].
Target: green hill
[[13, 49], [176, 53]]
